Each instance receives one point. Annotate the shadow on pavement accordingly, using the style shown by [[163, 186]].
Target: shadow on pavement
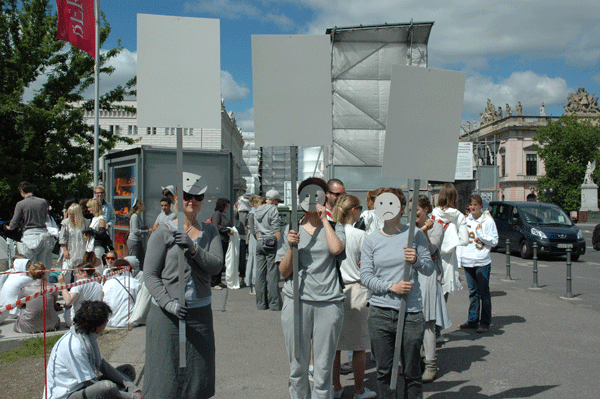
[[473, 392], [459, 359]]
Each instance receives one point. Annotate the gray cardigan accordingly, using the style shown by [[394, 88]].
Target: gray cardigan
[[161, 273]]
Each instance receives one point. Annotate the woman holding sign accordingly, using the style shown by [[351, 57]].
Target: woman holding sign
[[384, 257], [320, 245], [203, 256]]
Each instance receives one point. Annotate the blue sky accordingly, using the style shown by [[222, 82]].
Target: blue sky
[[521, 50]]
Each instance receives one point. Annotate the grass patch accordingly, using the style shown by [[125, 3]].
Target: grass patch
[[31, 347]]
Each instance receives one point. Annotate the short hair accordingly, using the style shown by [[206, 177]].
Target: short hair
[[222, 203], [112, 252], [371, 195], [26, 187], [166, 199], [448, 197], [99, 187], [257, 199], [424, 203], [90, 316], [37, 271], [313, 180], [399, 193], [86, 267], [68, 202], [476, 197], [331, 182]]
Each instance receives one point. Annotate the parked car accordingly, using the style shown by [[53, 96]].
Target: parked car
[[546, 224]]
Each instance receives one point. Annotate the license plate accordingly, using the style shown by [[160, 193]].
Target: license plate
[[565, 245]]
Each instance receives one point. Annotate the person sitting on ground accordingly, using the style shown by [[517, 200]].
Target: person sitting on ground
[[120, 293], [91, 291], [11, 288], [76, 367], [31, 319]]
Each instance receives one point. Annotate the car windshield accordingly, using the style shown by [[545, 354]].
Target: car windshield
[[545, 216]]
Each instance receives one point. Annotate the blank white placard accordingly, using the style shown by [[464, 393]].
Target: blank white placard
[[292, 90], [425, 111], [178, 72]]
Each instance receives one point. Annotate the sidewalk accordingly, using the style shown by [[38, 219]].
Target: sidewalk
[[538, 346]]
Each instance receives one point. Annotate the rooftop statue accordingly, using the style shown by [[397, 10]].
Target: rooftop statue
[[582, 103]]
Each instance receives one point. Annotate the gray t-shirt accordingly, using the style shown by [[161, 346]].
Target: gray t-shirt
[[382, 264], [319, 280], [163, 217]]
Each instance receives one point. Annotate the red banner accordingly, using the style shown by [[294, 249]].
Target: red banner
[[76, 24]]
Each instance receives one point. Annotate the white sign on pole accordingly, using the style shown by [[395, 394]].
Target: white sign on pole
[[464, 161], [292, 90], [425, 108], [178, 72]]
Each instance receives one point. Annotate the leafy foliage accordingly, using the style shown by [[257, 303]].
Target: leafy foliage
[[45, 140], [566, 145]]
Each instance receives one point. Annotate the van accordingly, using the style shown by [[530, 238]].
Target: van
[[524, 223]]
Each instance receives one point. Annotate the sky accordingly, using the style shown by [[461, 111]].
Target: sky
[[531, 51]]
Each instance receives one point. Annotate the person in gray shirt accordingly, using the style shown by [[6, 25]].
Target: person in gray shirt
[[165, 214], [320, 245], [384, 256], [30, 215]]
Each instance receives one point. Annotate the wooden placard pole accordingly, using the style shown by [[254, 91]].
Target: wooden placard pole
[[400, 330], [295, 275], [182, 327]]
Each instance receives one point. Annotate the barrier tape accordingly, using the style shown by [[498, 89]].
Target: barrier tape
[[62, 270], [28, 298]]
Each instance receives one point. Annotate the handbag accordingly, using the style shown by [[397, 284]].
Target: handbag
[[269, 243]]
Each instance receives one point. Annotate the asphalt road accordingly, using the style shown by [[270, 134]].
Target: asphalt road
[[552, 273]]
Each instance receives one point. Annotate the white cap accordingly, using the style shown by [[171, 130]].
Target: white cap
[[170, 188], [192, 184], [273, 194]]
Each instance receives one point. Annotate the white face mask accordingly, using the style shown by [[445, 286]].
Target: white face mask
[[387, 206], [310, 196]]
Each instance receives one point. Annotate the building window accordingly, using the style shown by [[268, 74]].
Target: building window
[[531, 164], [129, 129], [503, 165], [148, 130]]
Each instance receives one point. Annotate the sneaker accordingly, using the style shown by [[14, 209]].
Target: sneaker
[[338, 394], [442, 339], [252, 292], [311, 370], [367, 394], [217, 287], [466, 326], [346, 368]]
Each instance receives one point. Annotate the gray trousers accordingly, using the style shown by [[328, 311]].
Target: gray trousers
[[383, 324], [321, 322], [267, 279], [37, 246], [105, 389]]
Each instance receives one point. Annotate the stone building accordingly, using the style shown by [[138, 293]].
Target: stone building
[[517, 162], [229, 137]]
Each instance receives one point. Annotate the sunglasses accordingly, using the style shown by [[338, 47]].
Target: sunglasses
[[188, 197], [110, 258], [336, 194]]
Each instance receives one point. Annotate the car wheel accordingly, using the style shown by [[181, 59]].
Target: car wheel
[[526, 251], [575, 257]]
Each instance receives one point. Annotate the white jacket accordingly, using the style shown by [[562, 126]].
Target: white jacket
[[481, 240], [456, 234]]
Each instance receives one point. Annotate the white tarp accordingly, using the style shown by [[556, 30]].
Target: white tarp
[[362, 59]]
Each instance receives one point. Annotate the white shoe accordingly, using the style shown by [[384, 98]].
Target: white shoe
[[367, 394], [442, 339]]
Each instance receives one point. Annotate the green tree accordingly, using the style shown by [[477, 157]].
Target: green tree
[[566, 145], [45, 139]]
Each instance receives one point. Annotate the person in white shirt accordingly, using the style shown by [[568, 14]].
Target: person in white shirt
[[120, 293], [476, 260], [76, 367], [91, 291]]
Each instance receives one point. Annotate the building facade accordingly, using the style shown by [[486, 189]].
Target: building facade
[[228, 138]]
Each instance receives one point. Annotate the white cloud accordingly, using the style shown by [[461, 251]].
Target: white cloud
[[596, 79], [125, 64], [466, 29], [232, 90], [528, 87], [245, 120], [235, 10]]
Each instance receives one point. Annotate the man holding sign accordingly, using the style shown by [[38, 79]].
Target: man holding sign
[[382, 267]]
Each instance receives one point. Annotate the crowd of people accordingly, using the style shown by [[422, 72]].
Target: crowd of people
[[351, 263]]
